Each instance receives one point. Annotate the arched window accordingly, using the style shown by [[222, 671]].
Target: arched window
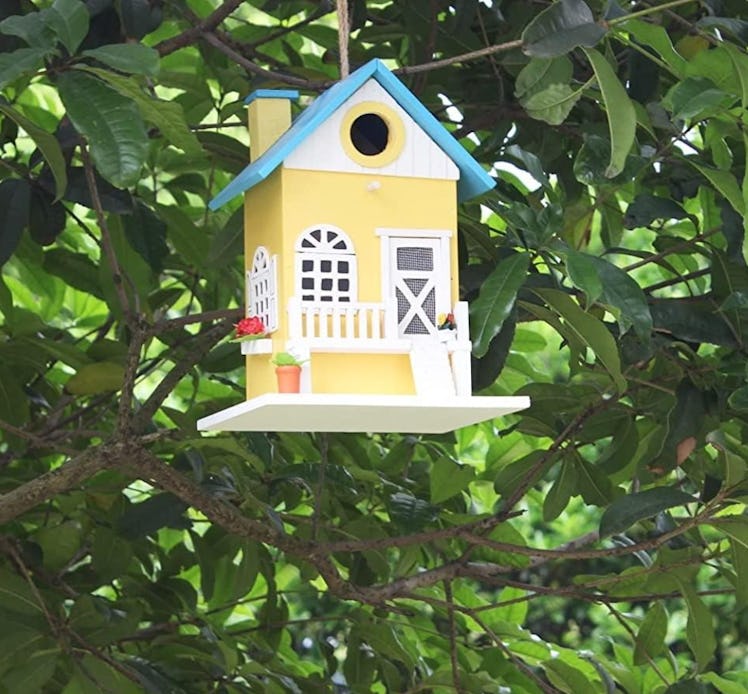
[[325, 265], [262, 295]]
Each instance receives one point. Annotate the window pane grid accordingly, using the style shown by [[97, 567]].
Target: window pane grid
[[325, 266]]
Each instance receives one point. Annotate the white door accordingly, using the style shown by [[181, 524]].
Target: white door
[[419, 285]]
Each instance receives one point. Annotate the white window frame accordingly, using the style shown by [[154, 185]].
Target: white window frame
[[262, 288], [321, 251]]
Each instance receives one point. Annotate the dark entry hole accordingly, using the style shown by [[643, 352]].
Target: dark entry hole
[[370, 134]]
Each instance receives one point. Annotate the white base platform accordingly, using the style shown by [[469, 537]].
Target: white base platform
[[407, 414]]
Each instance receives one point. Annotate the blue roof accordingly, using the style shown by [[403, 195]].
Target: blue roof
[[291, 94], [473, 179]]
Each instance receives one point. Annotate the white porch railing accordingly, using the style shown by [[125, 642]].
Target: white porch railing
[[354, 326], [371, 327]]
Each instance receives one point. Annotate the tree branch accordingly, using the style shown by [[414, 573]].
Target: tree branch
[[193, 33], [249, 66], [40, 489], [106, 239], [201, 345], [462, 58], [206, 317]]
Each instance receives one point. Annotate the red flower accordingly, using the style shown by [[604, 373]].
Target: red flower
[[250, 326]]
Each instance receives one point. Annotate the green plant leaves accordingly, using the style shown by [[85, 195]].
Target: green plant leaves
[[631, 508], [448, 478], [111, 124], [15, 196], [409, 512], [542, 88], [494, 304], [20, 62], [586, 330], [69, 21], [619, 109], [700, 628], [47, 144], [127, 57], [167, 116], [99, 377], [560, 28], [650, 639]]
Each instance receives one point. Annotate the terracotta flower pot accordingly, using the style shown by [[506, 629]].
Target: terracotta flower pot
[[289, 378]]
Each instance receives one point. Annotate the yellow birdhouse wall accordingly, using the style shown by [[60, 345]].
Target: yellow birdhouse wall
[[291, 201]]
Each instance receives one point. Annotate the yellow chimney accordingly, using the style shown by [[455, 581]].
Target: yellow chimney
[[269, 116]]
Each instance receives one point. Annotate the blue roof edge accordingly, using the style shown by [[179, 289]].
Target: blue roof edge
[[292, 94], [473, 181]]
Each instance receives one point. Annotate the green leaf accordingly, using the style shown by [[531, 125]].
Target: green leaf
[[589, 330], [594, 486], [110, 554], [620, 112], [167, 116], [622, 292], [15, 196], [111, 124], [69, 20], [650, 639], [561, 491], [100, 377], [59, 543], [725, 183], [740, 65], [31, 28], [14, 403], [566, 677], [700, 628], [722, 684], [33, 672], [496, 300], [513, 475], [584, 275], [127, 57], [695, 98], [553, 104], [560, 28], [734, 527], [20, 62], [655, 36], [146, 233], [646, 208], [95, 676], [540, 73], [163, 510], [448, 478], [47, 144], [631, 508], [139, 17], [740, 565], [410, 513], [61, 351]]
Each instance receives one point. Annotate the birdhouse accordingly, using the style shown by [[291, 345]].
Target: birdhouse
[[351, 265]]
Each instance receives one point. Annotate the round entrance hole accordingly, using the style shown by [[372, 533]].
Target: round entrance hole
[[370, 134]]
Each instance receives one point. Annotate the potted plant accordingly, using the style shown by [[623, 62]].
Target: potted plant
[[288, 372]]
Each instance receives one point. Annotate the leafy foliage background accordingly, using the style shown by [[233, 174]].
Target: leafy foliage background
[[597, 542]]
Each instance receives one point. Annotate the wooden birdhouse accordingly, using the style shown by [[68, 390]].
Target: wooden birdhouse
[[351, 264]]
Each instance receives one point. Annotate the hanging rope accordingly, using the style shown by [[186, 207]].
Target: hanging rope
[[344, 30]]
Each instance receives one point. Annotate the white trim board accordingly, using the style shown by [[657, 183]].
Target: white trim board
[[413, 233], [360, 413]]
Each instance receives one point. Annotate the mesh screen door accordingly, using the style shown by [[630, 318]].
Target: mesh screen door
[[420, 284]]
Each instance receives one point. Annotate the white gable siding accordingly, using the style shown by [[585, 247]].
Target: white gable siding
[[323, 151]]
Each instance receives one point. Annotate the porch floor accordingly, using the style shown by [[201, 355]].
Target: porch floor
[[360, 413]]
